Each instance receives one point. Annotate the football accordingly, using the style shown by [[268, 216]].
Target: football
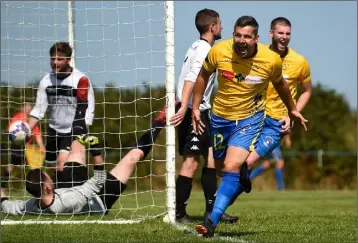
[[19, 132]]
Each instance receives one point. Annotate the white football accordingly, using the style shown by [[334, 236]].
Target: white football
[[19, 132]]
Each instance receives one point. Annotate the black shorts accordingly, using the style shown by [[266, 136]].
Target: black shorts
[[55, 142], [17, 155], [76, 174], [189, 142]]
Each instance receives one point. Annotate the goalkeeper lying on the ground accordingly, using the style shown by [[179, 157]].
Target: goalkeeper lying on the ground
[[76, 193]]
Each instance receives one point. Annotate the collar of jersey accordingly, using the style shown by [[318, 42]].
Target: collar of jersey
[[284, 54], [204, 39], [64, 76]]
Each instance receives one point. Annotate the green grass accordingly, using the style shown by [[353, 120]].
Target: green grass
[[291, 216]]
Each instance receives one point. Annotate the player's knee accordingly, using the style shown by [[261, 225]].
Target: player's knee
[[231, 166], [138, 154], [133, 156], [63, 155], [280, 164], [266, 164], [190, 164]]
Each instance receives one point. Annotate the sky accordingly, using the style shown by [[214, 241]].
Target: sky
[[123, 42]]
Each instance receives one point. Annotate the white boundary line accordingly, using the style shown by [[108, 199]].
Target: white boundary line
[[31, 222]]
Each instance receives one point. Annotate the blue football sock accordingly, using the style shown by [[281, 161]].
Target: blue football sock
[[279, 179], [227, 190], [257, 172], [240, 191]]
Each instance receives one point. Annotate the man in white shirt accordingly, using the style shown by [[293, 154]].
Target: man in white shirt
[[192, 146], [67, 94]]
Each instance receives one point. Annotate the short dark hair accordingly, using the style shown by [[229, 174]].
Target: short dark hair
[[204, 18], [244, 21], [280, 20], [34, 182], [63, 47]]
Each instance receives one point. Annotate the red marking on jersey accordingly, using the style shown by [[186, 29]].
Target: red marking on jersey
[[82, 89], [228, 75]]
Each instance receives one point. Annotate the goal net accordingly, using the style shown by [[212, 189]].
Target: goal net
[[126, 48]]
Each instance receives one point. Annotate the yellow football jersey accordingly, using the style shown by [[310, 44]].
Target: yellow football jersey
[[295, 70], [242, 82]]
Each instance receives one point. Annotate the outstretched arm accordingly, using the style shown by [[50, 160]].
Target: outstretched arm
[[79, 124], [189, 82], [306, 86], [199, 89], [39, 110], [283, 91], [306, 89], [12, 207], [38, 138]]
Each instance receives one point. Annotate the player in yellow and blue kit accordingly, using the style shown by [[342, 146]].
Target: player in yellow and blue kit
[[275, 157], [244, 69], [296, 71]]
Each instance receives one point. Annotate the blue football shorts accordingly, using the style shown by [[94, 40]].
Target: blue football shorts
[[276, 154], [269, 138], [242, 133]]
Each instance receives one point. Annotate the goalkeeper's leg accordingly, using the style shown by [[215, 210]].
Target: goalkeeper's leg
[[118, 177], [125, 167], [75, 170]]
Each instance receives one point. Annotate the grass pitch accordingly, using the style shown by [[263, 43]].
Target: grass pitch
[[290, 216]]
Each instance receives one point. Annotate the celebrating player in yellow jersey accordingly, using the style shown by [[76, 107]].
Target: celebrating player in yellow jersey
[[296, 71], [245, 68]]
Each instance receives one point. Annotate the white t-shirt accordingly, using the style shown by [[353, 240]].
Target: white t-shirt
[[59, 97], [193, 62]]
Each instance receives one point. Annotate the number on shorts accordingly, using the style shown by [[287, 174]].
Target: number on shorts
[[218, 142]]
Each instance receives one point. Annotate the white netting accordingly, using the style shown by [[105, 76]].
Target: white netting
[[121, 47]]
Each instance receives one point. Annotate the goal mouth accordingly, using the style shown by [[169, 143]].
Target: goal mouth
[[126, 49]]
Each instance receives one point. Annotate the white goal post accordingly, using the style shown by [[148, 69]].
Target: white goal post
[[126, 48]]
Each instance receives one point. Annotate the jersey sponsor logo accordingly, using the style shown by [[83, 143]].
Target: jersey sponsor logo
[[61, 90], [268, 141], [285, 65], [253, 79], [231, 76], [240, 77], [228, 75]]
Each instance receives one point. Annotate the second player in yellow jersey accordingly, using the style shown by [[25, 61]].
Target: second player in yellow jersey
[[296, 71]]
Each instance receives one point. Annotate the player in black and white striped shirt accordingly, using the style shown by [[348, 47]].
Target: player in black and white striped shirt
[[62, 93], [192, 146]]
